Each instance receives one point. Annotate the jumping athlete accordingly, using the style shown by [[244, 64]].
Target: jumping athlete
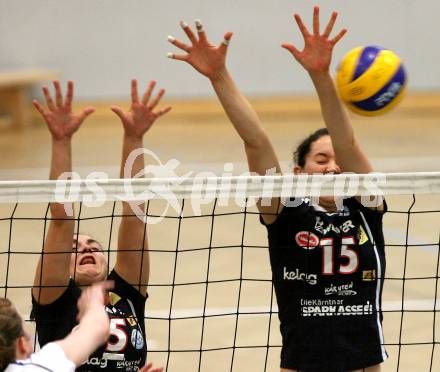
[[327, 263], [71, 260]]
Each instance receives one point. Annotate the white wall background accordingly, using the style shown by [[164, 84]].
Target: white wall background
[[102, 44]]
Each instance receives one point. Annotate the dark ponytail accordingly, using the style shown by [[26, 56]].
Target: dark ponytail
[[299, 156]]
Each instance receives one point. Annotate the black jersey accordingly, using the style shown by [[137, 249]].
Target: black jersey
[[328, 271], [126, 349]]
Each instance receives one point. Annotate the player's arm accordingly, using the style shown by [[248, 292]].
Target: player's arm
[[316, 58], [94, 326], [210, 61], [53, 265], [132, 261]]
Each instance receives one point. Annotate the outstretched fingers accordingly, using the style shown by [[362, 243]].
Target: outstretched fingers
[[178, 43], [49, 102], [85, 113], [118, 111], [163, 111], [152, 105], [200, 31], [301, 25], [179, 57], [69, 95], [156, 100], [58, 94], [339, 36], [225, 42], [147, 94], [188, 32], [59, 104], [292, 49], [39, 108], [316, 20], [330, 25], [134, 91]]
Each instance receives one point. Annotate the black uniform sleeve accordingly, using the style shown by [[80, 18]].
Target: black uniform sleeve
[[373, 216], [54, 321], [127, 291], [291, 209], [368, 210]]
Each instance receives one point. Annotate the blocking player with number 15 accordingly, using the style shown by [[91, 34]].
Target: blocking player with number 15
[[327, 262]]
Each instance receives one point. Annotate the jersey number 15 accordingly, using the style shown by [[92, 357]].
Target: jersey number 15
[[328, 260]]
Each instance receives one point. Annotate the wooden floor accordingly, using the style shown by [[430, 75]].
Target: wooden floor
[[406, 140]]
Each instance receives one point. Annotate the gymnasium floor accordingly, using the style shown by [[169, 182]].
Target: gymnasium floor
[[399, 142]]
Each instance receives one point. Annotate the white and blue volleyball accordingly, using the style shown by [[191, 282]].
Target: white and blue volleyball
[[371, 80]]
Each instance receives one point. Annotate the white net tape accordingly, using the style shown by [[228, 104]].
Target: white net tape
[[342, 185]]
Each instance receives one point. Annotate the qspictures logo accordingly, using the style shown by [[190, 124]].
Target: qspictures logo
[[162, 181]]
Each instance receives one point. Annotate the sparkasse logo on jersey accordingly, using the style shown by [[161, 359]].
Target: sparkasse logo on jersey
[[306, 240]]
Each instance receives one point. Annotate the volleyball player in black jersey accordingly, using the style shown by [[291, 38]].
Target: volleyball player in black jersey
[[327, 263], [71, 260]]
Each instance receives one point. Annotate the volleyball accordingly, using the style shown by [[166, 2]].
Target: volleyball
[[371, 80]]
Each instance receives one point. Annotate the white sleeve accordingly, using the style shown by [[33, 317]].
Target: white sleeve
[[50, 358]]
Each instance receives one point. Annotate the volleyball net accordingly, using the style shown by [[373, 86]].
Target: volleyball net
[[211, 304]]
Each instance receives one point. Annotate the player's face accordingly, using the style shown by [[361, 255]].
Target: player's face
[[88, 263], [321, 159]]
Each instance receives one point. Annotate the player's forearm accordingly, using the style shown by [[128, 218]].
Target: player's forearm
[[132, 234], [334, 114], [52, 271], [239, 111], [53, 267], [61, 162], [348, 151], [61, 158], [130, 168], [132, 258], [92, 332]]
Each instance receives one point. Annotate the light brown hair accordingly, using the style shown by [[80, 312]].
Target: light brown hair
[[11, 328]]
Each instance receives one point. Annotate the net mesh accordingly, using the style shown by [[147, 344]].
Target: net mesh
[[211, 301]]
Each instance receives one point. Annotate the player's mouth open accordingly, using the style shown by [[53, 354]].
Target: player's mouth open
[[87, 260]]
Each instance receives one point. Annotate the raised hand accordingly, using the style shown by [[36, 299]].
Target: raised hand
[[317, 53], [140, 117], [60, 119], [94, 298], [206, 58], [149, 368]]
